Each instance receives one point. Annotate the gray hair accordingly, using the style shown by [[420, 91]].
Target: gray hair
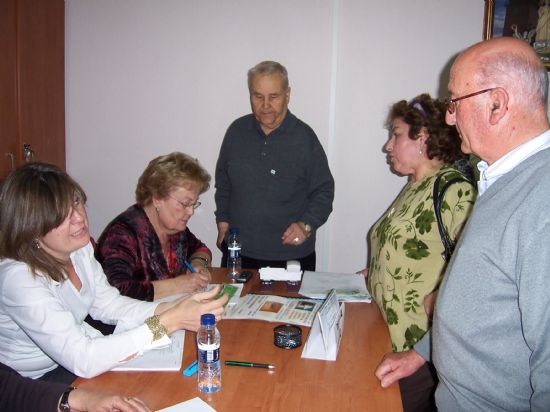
[[268, 67], [516, 70]]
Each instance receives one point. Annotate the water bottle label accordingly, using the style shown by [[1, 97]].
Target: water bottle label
[[234, 252], [209, 355]]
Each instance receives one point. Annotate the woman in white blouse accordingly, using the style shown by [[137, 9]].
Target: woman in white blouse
[[50, 281]]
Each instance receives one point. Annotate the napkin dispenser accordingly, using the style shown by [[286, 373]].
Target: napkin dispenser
[[292, 273]]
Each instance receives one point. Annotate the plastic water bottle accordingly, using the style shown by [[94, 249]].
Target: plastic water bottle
[[234, 260], [209, 377]]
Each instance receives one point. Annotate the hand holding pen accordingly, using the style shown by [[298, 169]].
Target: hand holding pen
[[200, 276]]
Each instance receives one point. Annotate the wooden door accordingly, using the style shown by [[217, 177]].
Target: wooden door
[[32, 81]]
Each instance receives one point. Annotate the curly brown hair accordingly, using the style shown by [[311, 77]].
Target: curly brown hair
[[443, 141]]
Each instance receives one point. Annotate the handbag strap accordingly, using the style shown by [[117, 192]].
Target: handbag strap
[[438, 195]]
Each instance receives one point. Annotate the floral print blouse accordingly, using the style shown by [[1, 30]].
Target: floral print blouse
[[406, 261]]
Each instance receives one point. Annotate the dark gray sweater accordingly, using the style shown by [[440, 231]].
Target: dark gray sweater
[[264, 183]]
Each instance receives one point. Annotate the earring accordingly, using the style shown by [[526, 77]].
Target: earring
[[157, 208], [36, 244], [420, 152]]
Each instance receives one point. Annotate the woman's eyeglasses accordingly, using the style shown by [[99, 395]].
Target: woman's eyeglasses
[[186, 205]]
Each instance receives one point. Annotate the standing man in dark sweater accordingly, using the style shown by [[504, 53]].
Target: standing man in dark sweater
[[272, 178]]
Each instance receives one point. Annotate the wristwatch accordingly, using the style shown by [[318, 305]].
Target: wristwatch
[[64, 403], [157, 329]]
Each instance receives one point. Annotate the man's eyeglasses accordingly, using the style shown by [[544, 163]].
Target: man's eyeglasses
[[186, 205], [451, 103]]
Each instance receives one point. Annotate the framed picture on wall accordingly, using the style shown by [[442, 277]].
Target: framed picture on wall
[[528, 20]]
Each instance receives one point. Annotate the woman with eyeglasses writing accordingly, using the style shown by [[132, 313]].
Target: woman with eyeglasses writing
[[50, 281], [406, 249], [145, 251]]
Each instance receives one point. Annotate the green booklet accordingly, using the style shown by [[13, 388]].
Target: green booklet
[[232, 290]]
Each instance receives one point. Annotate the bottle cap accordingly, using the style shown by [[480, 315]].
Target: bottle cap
[[208, 319], [234, 231]]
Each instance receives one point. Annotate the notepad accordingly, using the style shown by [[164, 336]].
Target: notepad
[[167, 358]]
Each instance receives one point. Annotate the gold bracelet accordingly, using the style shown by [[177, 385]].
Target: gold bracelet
[[157, 329]]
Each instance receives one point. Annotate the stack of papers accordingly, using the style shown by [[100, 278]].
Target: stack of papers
[[349, 287]]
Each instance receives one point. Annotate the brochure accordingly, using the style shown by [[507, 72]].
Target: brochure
[[296, 311]]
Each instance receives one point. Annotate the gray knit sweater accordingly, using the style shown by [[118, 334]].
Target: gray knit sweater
[[491, 333]]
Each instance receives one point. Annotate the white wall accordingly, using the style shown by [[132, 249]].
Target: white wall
[[145, 78]]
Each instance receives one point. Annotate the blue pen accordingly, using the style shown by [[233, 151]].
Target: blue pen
[[191, 369], [191, 268]]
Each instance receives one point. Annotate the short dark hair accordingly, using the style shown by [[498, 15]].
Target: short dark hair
[[35, 199], [443, 141]]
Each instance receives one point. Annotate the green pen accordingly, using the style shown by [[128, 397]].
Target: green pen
[[249, 364]]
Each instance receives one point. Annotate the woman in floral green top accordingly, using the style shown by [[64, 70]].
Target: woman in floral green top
[[406, 262]]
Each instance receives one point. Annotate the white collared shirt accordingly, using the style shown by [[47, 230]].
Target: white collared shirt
[[42, 321], [490, 174]]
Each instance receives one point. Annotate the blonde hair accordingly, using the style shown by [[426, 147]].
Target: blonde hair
[[34, 200], [164, 173]]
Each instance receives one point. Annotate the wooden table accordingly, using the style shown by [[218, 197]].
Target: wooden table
[[295, 385]]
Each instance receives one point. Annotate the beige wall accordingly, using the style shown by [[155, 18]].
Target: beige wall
[[148, 77]]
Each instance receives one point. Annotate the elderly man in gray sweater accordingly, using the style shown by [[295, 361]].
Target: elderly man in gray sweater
[[490, 340]]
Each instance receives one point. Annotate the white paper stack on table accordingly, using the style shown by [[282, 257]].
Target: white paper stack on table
[[349, 287]]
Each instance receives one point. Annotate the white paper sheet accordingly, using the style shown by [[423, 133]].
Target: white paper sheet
[[349, 287], [194, 405]]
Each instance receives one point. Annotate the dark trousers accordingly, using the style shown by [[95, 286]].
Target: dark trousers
[[306, 263], [417, 390]]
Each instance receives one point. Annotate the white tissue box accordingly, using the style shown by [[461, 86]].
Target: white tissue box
[[269, 274]]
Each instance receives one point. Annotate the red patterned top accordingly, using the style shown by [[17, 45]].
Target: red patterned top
[[131, 254]]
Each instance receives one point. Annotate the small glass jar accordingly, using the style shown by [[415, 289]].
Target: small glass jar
[[287, 336]]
